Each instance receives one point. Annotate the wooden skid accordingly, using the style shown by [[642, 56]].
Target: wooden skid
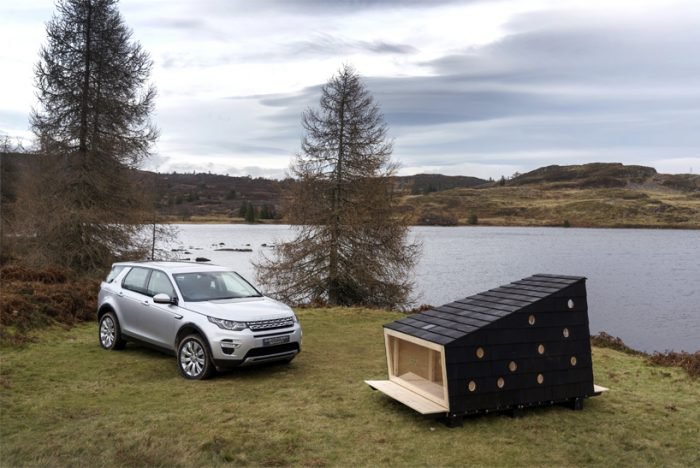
[[407, 397]]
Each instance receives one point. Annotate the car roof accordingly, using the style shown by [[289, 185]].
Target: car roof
[[176, 267]]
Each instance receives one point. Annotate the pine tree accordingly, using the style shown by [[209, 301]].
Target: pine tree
[[351, 247], [250, 213], [93, 125]]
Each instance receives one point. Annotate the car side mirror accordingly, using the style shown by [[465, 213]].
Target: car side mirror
[[163, 298]]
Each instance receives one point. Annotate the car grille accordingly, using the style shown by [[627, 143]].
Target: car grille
[[271, 324], [269, 350]]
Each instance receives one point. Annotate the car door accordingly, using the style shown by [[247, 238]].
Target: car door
[[133, 300], [160, 321]]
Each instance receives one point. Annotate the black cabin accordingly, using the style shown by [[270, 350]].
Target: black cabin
[[523, 344]]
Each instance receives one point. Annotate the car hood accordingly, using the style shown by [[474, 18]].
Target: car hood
[[241, 310]]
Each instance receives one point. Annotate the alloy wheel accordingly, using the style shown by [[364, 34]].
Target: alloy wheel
[[107, 332], [192, 358]]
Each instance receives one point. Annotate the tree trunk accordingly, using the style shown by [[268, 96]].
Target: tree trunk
[[333, 279]]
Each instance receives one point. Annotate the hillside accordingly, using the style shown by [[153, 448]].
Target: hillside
[[598, 194], [606, 175], [589, 195], [184, 197]]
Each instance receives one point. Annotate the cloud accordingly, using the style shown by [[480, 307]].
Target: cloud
[[557, 87], [326, 44], [187, 24], [615, 55], [325, 7], [509, 85]]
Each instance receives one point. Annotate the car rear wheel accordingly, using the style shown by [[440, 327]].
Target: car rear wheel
[[110, 334], [193, 358]]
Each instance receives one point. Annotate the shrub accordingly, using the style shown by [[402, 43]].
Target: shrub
[[32, 299]]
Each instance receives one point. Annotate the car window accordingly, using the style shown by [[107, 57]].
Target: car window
[[135, 280], [213, 285], [114, 272], [159, 283]]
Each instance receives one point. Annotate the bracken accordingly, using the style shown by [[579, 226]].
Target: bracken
[[32, 299]]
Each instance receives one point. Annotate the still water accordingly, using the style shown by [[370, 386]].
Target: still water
[[643, 285]]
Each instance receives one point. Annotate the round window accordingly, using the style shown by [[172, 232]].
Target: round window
[[480, 352], [512, 366], [540, 379], [472, 386], [540, 349], [565, 332], [531, 320], [570, 304], [573, 360], [501, 383]]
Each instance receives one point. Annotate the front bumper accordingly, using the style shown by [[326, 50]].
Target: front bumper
[[246, 347]]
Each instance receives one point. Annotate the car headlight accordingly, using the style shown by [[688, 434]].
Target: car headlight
[[294, 317], [228, 324]]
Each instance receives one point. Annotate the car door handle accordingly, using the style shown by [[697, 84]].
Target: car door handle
[[121, 293], [146, 303], [177, 317]]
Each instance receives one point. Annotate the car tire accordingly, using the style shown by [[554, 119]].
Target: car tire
[[194, 359], [109, 332]]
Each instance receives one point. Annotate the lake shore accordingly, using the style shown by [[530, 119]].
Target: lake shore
[[171, 220]]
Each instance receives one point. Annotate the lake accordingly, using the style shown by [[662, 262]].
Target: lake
[[643, 285]]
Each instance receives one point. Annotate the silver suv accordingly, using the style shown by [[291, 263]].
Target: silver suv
[[207, 315]]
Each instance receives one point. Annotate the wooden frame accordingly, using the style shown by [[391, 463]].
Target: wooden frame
[[427, 379]]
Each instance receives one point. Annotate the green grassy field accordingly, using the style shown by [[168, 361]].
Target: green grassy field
[[65, 401]]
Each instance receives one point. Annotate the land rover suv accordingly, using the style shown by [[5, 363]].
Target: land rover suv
[[209, 316]]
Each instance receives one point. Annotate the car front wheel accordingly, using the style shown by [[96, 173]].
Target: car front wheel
[[109, 332], [193, 359]]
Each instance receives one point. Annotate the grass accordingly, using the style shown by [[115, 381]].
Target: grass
[[541, 206], [64, 401]]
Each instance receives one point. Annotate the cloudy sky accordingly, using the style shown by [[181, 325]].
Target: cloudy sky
[[478, 87]]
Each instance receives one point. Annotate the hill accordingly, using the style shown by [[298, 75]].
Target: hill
[[205, 197], [589, 195], [212, 197], [606, 175]]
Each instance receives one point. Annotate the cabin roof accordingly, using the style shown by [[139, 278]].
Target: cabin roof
[[458, 319]]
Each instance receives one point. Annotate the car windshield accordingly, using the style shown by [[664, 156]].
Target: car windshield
[[214, 285]]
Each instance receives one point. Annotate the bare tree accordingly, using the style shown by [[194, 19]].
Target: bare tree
[[351, 246], [93, 124]]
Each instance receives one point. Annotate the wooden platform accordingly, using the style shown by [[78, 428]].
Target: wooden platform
[[407, 397]]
